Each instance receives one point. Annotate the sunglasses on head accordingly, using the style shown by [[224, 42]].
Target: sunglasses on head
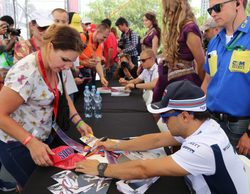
[[217, 7], [144, 60], [41, 29]]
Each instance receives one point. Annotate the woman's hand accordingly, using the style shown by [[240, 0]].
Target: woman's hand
[[85, 129], [40, 152]]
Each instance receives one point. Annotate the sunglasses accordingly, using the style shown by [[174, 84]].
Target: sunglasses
[[144, 60], [165, 116], [41, 29], [217, 7]]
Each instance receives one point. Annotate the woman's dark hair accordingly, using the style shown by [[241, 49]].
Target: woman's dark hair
[[152, 17]]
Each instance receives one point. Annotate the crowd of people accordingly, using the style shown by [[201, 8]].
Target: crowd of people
[[198, 83]]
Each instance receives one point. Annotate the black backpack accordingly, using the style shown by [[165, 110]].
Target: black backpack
[[138, 46]]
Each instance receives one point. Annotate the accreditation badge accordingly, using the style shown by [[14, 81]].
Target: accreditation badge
[[212, 61], [240, 61]]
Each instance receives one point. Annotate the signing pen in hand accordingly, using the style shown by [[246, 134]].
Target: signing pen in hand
[[94, 147]]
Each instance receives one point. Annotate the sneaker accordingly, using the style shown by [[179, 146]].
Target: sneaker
[[7, 186]]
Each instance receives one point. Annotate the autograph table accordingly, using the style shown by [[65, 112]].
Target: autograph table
[[122, 117]]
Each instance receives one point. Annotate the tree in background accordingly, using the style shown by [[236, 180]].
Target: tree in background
[[132, 10], [248, 8]]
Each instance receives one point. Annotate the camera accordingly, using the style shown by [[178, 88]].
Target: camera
[[124, 64], [14, 32]]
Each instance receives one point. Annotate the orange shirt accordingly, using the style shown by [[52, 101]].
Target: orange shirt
[[92, 50]]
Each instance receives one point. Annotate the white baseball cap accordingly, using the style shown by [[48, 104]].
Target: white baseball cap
[[42, 18]]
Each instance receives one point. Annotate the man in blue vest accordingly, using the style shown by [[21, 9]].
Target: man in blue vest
[[227, 80]]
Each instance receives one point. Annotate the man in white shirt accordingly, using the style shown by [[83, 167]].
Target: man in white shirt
[[206, 157], [149, 76]]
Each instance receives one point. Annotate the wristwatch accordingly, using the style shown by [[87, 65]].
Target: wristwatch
[[248, 132], [101, 168]]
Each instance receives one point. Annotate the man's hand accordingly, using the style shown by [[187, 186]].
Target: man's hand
[[119, 50], [244, 145], [88, 167], [104, 81], [129, 86], [126, 72], [122, 81], [92, 62], [108, 145], [78, 80]]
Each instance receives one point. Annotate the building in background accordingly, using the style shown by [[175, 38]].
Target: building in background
[[204, 6], [21, 10]]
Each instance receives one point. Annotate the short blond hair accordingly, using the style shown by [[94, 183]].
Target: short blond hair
[[60, 10], [149, 52]]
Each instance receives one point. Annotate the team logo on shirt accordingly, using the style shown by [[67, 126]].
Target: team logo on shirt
[[238, 65]]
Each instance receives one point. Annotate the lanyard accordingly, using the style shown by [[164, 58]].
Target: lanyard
[[54, 91], [34, 44], [232, 45]]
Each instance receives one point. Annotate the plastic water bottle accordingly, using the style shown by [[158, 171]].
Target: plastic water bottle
[[87, 103], [87, 107], [98, 105], [93, 91], [86, 91], [92, 94]]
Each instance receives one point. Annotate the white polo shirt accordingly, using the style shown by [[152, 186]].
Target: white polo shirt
[[149, 75], [213, 165]]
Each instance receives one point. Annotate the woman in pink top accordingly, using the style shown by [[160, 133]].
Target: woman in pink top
[[153, 35]]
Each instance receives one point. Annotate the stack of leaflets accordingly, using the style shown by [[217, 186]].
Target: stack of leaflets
[[100, 155], [69, 183], [120, 91], [104, 90], [138, 186], [135, 186], [150, 154], [115, 91], [89, 140]]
